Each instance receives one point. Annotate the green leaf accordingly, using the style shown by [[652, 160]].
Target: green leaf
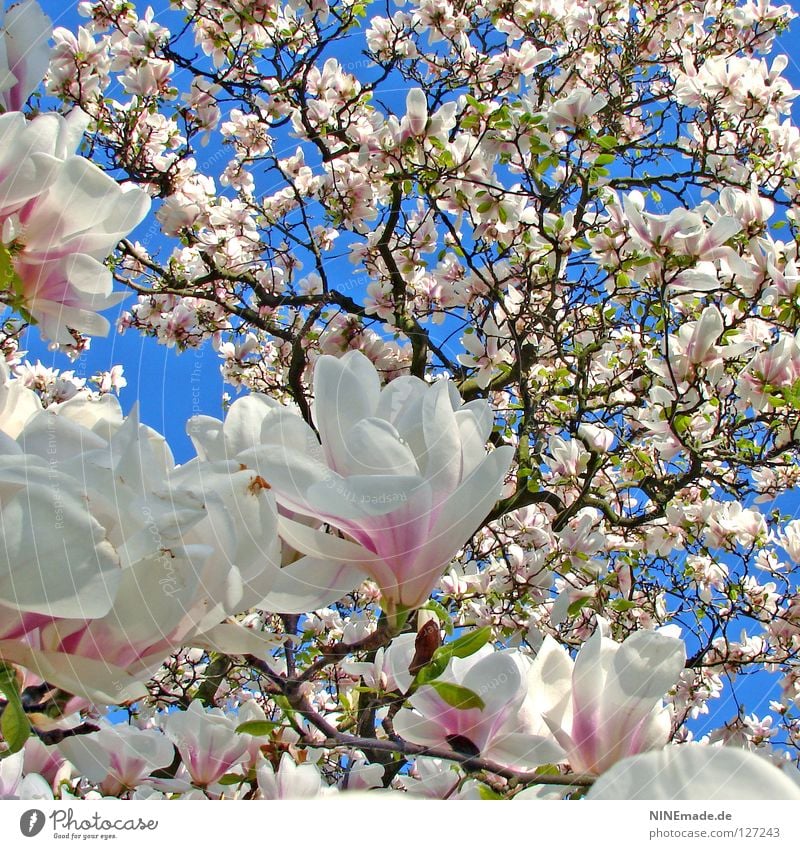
[[622, 604], [467, 644], [604, 159], [464, 646], [575, 608], [230, 779], [488, 794], [432, 669], [457, 696], [257, 727], [14, 723], [607, 142]]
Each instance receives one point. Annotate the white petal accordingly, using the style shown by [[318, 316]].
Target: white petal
[[695, 772], [524, 751], [310, 584], [346, 390]]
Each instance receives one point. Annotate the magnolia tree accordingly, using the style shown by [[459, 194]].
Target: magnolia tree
[[499, 504]]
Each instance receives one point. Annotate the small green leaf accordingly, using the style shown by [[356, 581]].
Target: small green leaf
[[257, 727], [431, 670], [230, 779], [14, 723], [607, 142], [457, 696], [575, 608], [488, 794], [467, 644]]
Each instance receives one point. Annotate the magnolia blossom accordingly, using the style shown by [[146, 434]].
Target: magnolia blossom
[[290, 780], [119, 757], [207, 741], [59, 239], [606, 704], [446, 718], [697, 772], [13, 785], [60, 215], [138, 556], [402, 471]]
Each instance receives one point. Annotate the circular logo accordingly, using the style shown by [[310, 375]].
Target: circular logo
[[31, 822]]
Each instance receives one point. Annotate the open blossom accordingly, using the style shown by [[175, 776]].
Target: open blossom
[[61, 216], [207, 741], [489, 728], [290, 780], [606, 704], [13, 785], [138, 556], [118, 757], [402, 471]]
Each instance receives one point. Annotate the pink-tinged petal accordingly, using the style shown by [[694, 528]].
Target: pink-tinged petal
[[646, 665], [416, 112], [634, 217], [54, 319], [462, 513], [95, 680], [368, 511], [695, 772], [589, 677], [705, 335], [317, 543], [722, 230], [100, 213], [346, 390]]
